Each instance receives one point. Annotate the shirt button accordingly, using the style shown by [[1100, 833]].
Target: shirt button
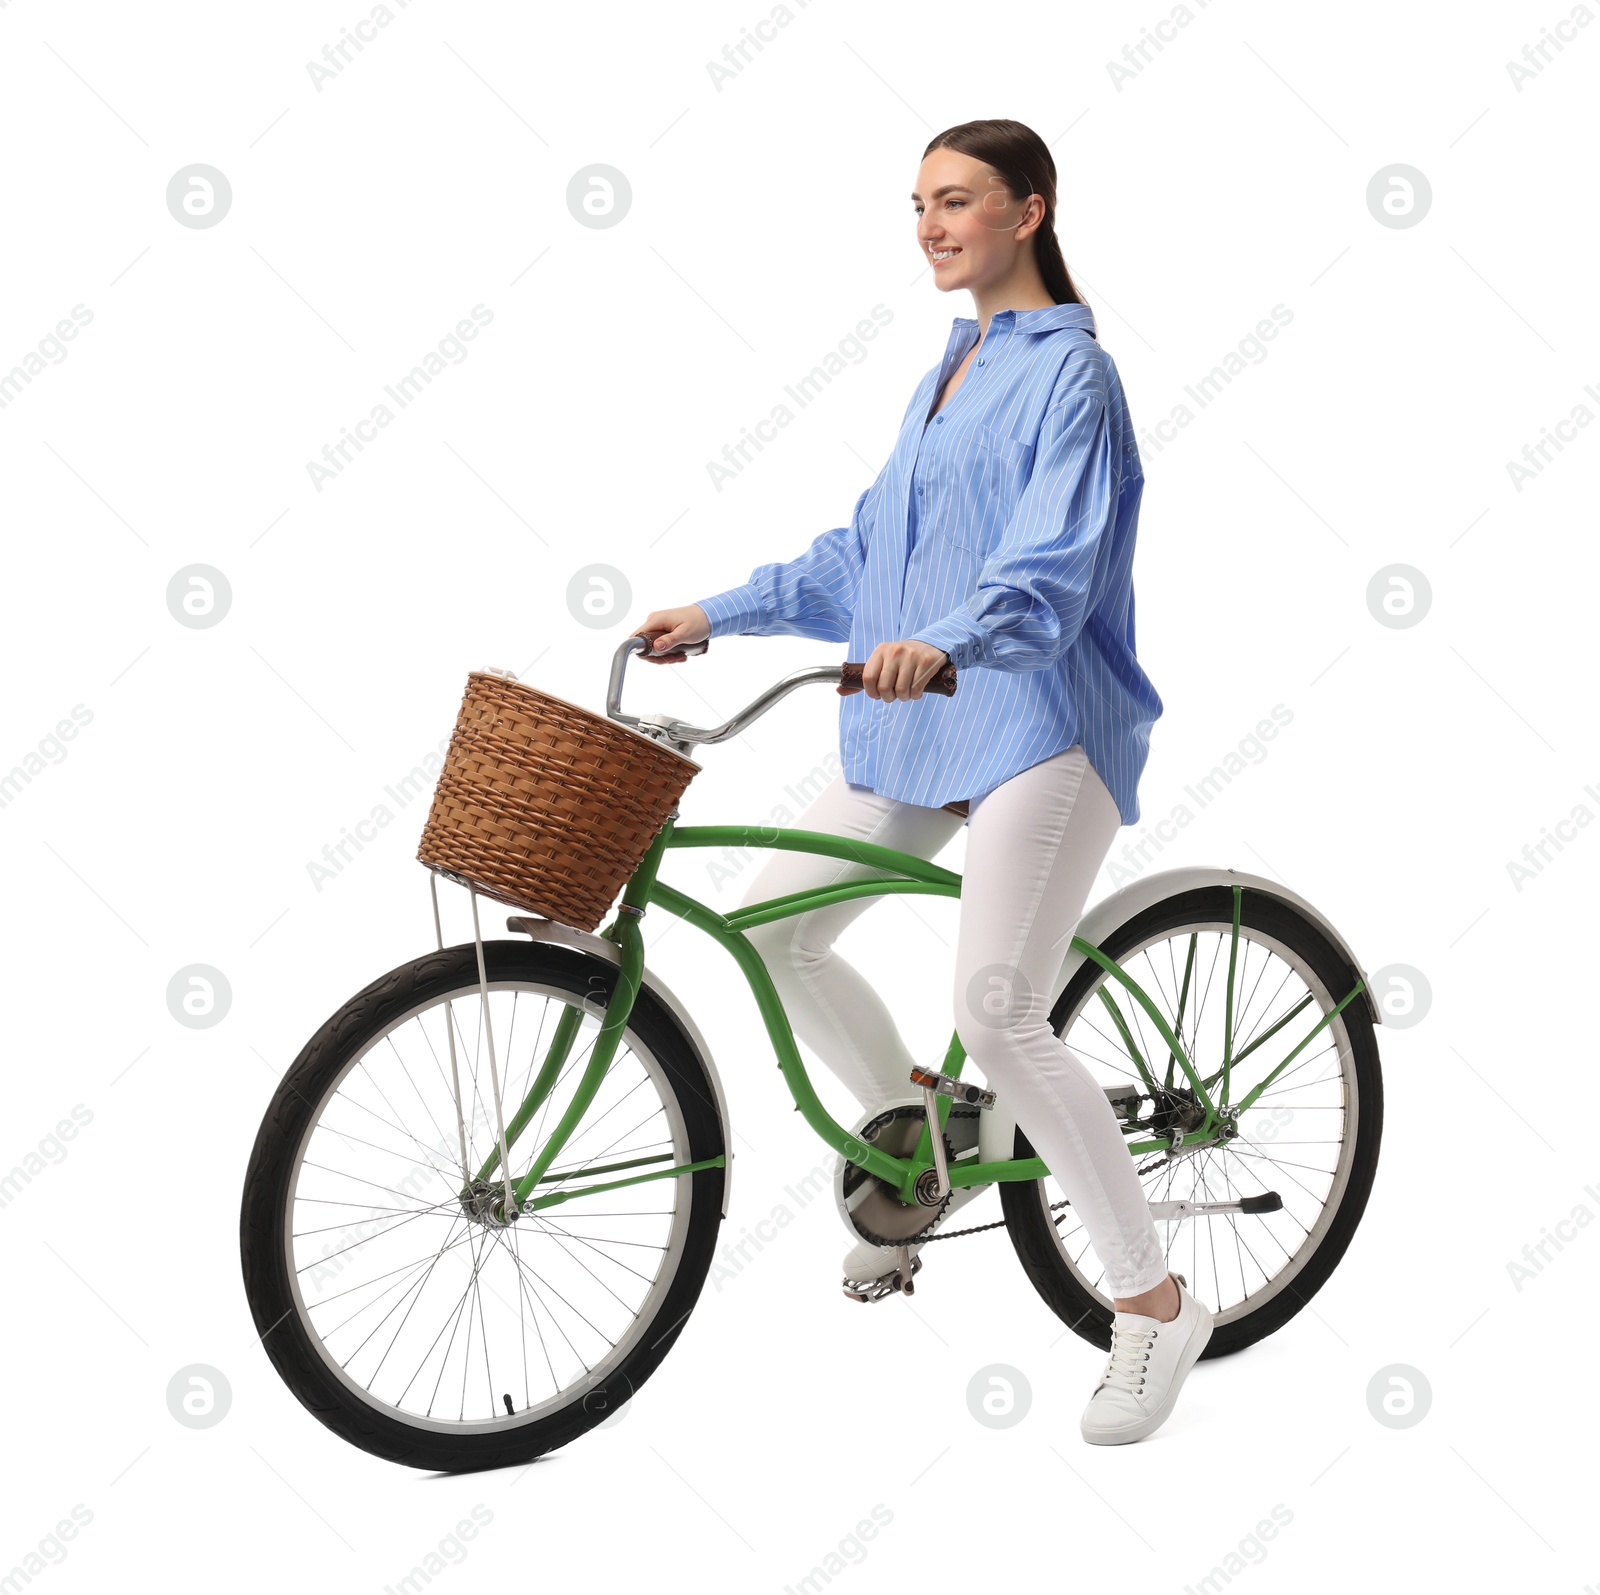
[[939, 419], [981, 362]]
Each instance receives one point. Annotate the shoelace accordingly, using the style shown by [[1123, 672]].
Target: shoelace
[[1130, 1351]]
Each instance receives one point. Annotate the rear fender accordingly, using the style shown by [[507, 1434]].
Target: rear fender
[[1099, 923]]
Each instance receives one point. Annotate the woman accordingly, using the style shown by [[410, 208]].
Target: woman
[[999, 538]]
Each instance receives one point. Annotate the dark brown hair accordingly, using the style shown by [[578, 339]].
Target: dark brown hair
[[1025, 166]]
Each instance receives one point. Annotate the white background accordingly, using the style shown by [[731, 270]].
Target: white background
[[1226, 176]]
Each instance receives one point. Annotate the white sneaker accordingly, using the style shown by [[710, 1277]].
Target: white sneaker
[[1145, 1371]]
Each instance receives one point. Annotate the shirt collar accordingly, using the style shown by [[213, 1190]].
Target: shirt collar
[[1048, 318]]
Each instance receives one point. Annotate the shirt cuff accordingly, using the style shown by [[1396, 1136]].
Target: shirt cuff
[[960, 636], [734, 611]]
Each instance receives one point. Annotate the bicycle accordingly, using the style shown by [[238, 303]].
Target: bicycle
[[484, 1199]]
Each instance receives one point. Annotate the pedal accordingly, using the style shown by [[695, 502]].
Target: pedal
[[898, 1278], [948, 1086], [1266, 1202]]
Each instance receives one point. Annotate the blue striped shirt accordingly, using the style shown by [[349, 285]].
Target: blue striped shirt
[[1001, 530]]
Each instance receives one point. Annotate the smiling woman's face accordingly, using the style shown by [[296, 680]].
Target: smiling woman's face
[[968, 225]]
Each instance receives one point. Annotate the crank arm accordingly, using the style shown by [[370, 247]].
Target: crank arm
[[934, 1085]]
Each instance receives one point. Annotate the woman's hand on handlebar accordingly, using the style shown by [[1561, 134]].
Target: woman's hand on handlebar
[[670, 629], [901, 669]]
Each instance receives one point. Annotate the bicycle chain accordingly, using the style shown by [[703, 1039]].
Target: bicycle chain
[[955, 1234], [976, 1229]]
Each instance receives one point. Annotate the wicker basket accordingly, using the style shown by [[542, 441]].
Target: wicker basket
[[544, 805]]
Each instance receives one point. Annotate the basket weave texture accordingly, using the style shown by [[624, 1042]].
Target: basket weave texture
[[544, 805]]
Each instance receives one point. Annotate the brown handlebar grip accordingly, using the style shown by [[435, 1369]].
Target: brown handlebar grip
[[850, 680], [686, 650]]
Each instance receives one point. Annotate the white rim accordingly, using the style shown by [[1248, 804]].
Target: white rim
[[1315, 1177], [656, 1214]]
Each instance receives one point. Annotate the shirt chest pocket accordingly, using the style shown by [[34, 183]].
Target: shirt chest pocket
[[1007, 464], [990, 475]]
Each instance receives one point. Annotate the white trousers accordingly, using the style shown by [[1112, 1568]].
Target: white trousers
[[1034, 845]]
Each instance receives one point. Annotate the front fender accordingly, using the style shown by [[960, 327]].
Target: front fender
[[1100, 922], [586, 941]]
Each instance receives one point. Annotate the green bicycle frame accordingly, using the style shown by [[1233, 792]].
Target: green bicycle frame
[[902, 873]]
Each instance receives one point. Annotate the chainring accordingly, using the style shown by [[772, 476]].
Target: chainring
[[873, 1208]]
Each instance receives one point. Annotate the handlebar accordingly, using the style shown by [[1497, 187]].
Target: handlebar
[[846, 677]]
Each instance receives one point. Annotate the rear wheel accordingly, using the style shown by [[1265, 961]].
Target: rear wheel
[[396, 1306], [1311, 1136]]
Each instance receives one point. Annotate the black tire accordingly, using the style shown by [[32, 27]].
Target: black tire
[[1028, 1219], [291, 1117]]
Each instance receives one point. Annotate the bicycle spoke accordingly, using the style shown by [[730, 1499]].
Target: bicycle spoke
[[1185, 973], [407, 1269], [421, 1297], [557, 1236]]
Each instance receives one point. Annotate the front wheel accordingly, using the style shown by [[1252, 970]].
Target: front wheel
[[391, 1299], [1311, 1136]]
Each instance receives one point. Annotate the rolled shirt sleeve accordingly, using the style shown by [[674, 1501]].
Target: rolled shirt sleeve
[[735, 611], [1034, 589], [812, 596]]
